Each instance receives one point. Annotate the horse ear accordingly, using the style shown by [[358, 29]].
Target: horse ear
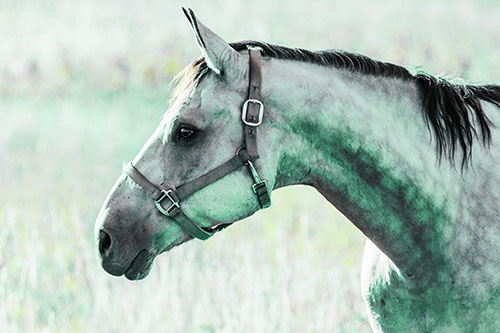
[[219, 55]]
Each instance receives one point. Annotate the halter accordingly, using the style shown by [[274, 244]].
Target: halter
[[168, 200]]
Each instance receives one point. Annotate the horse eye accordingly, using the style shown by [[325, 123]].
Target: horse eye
[[186, 133]]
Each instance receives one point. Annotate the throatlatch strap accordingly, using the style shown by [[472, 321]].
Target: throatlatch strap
[[253, 109], [263, 195]]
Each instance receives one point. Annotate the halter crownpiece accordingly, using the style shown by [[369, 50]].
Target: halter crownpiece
[[168, 200]]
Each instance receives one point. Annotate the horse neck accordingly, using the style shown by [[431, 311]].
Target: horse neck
[[362, 142]]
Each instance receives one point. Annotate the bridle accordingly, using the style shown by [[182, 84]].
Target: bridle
[[252, 114]]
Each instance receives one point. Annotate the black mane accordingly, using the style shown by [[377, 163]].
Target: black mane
[[453, 111]]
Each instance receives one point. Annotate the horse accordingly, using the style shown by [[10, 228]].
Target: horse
[[409, 158]]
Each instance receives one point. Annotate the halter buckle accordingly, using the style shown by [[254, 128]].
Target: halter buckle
[[258, 185], [245, 109], [166, 194], [258, 182]]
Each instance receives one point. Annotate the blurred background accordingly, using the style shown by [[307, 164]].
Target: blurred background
[[84, 83]]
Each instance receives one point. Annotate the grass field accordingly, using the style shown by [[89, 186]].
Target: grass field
[[82, 86]]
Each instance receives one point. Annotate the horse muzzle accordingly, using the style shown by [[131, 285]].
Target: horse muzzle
[[119, 260]]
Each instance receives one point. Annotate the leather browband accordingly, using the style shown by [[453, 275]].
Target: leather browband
[[252, 115]]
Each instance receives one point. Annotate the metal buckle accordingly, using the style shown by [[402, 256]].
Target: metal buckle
[[166, 194], [244, 112], [255, 186], [256, 177]]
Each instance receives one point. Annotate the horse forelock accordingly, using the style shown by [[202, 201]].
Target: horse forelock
[[187, 79]]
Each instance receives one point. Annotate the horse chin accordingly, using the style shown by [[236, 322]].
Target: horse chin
[[140, 266], [177, 242]]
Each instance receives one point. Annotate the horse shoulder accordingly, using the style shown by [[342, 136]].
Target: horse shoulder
[[380, 281], [397, 303]]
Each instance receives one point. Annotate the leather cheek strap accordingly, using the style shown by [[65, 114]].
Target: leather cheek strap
[[254, 110]]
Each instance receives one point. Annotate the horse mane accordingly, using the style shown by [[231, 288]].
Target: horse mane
[[453, 111]]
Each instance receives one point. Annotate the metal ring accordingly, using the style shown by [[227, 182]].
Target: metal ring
[[238, 153]]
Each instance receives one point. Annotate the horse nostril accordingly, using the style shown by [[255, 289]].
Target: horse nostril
[[104, 243]]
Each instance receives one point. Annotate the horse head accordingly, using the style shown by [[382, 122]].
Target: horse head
[[201, 133]]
